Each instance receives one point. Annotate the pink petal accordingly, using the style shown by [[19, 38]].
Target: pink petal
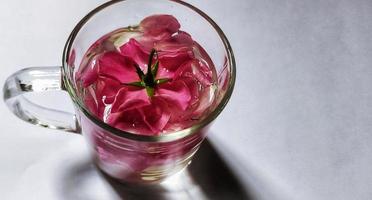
[[176, 93], [129, 98], [156, 115], [88, 72], [202, 55], [156, 25], [136, 51], [172, 61], [175, 51], [148, 41], [195, 69], [129, 120], [91, 104], [104, 93], [181, 117], [194, 88], [182, 41], [118, 67], [147, 120], [106, 89], [164, 73]]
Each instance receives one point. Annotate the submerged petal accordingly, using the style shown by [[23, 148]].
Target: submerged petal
[[181, 41], [195, 69], [156, 115], [176, 93], [175, 51], [133, 49], [106, 89], [118, 67], [130, 120], [88, 73], [130, 98], [172, 61], [146, 120], [156, 25]]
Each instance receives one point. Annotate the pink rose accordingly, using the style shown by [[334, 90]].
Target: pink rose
[[149, 83]]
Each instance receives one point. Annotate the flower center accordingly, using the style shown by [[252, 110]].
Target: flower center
[[148, 80]]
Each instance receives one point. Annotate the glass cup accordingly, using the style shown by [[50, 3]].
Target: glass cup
[[123, 155]]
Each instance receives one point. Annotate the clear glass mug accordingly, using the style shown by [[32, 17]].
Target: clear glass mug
[[122, 155]]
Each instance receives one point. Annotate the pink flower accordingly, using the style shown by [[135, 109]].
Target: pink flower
[[130, 97]]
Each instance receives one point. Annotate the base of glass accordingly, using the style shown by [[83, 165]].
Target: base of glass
[[151, 175]]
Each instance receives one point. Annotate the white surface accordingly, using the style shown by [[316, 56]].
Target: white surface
[[299, 121]]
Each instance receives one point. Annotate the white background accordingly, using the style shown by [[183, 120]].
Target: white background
[[299, 122]]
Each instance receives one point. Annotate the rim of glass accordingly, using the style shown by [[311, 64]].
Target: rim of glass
[[172, 136]]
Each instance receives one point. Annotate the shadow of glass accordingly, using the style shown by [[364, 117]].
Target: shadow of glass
[[207, 177]]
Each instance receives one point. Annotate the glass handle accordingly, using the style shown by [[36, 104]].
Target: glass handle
[[38, 79]]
